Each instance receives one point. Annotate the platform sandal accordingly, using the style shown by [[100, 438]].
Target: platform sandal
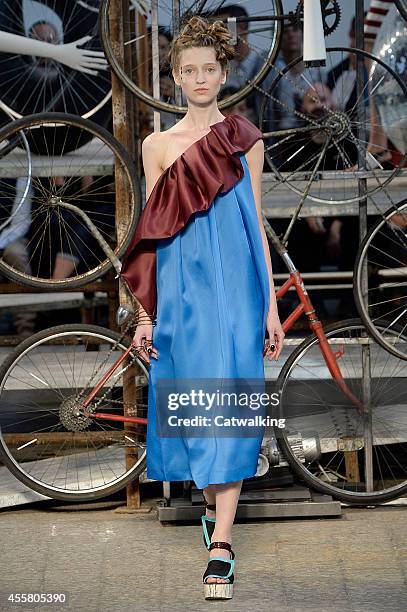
[[208, 525], [219, 567]]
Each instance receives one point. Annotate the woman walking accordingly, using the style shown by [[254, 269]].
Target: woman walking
[[199, 265]]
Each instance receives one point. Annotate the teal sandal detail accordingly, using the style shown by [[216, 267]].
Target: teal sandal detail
[[219, 567], [208, 525]]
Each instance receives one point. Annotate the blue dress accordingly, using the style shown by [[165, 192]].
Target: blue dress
[[212, 304]]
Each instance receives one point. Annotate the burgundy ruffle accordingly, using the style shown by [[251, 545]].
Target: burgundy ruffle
[[190, 184]]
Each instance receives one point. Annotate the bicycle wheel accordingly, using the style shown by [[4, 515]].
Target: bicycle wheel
[[43, 440], [31, 84], [91, 5], [383, 254], [62, 252], [332, 445], [402, 8], [261, 40], [310, 124]]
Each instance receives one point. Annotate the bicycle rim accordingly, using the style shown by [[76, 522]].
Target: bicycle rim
[[74, 162], [325, 128], [383, 253], [44, 441], [263, 41], [356, 457], [31, 84]]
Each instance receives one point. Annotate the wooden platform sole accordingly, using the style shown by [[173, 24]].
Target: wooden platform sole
[[218, 590]]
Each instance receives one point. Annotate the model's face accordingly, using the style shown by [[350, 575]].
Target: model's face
[[200, 74]]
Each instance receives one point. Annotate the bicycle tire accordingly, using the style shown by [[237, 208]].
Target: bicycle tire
[[27, 88], [291, 185], [358, 272], [135, 194], [174, 108], [5, 455], [357, 498]]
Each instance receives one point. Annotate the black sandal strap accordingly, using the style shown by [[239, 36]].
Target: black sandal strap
[[220, 568], [224, 545]]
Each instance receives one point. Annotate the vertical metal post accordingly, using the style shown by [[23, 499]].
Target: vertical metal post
[[157, 127], [123, 130], [361, 113], [155, 61], [176, 19]]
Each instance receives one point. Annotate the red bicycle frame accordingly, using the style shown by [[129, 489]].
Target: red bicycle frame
[[305, 307]]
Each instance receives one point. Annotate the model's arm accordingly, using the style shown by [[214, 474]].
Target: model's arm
[[255, 162], [151, 150]]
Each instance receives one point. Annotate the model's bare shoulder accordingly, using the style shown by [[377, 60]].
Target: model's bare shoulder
[[152, 152], [255, 156], [152, 146]]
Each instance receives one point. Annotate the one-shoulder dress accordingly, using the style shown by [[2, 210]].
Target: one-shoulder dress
[[196, 264]]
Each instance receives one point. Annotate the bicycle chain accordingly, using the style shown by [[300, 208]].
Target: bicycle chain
[[310, 120], [346, 163], [113, 347]]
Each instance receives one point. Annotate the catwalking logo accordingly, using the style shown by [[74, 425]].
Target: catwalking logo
[[215, 407]]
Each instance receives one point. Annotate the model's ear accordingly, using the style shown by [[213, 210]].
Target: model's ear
[[175, 76]]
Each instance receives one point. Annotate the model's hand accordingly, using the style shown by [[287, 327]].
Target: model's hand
[[84, 60], [143, 341], [276, 338]]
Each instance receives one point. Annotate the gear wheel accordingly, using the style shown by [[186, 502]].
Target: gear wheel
[[331, 15], [68, 414]]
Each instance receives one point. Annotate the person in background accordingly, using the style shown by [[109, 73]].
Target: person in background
[[14, 244], [374, 18], [241, 108], [167, 90], [248, 60], [286, 97], [341, 80], [287, 92], [164, 40]]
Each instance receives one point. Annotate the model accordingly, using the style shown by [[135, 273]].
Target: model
[[199, 265]]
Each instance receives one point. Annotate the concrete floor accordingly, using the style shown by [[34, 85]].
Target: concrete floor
[[108, 561]]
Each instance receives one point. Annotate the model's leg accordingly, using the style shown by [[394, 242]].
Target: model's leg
[[227, 497], [210, 496]]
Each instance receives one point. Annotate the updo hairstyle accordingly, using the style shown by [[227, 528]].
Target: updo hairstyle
[[199, 32]]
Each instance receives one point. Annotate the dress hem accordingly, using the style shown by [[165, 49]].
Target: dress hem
[[218, 476]]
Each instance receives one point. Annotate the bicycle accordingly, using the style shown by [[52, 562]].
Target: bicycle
[[284, 146], [55, 146], [80, 431], [29, 84], [382, 302], [262, 36], [323, 137]]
